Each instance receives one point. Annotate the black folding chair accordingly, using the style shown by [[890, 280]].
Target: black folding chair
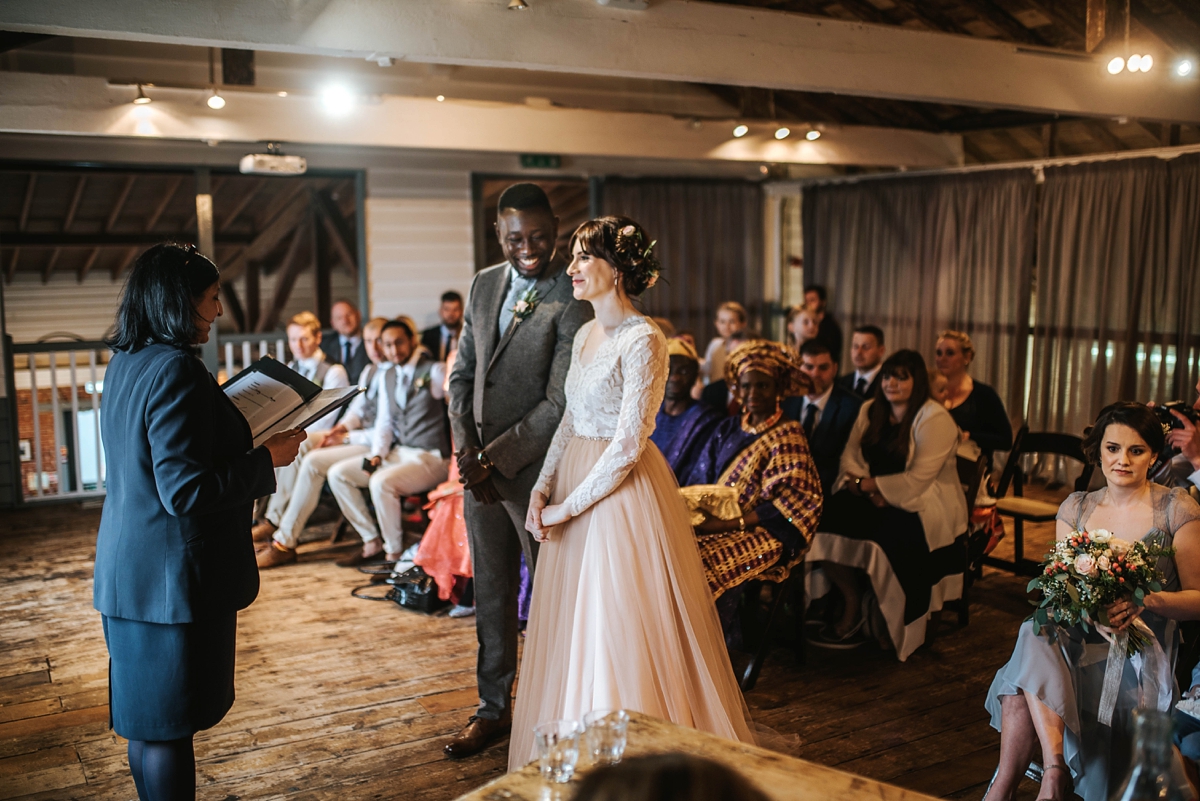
[[1022, 509]]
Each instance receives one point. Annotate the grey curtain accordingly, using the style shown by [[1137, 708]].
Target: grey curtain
[[914, 256], [1117, 290], [710, 242]]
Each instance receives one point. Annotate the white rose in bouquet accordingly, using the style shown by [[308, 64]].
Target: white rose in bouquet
[[1086, 564], [1101, 536], [1103, 563], [1119, 546]]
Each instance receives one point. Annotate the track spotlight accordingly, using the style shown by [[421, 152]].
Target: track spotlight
[[337, 100], [282, 94], [741, 130], [813, 135], [441, 98], [783, 133], [215, 101], [141, 98], [517, 5], [1147, 63], [1185, 68], [1116, 65]]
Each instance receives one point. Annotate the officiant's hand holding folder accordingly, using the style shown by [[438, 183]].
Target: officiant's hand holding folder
[[273, 398]]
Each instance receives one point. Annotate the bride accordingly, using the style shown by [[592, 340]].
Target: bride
[[622, 617]]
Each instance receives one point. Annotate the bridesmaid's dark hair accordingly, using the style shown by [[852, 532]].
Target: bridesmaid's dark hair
[[158, 305], [902, 364], [1138, 416], [667, 777]]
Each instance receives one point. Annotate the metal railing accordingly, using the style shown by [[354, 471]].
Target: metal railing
[[59, 385]]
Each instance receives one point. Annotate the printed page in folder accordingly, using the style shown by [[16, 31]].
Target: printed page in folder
[[273, 397]]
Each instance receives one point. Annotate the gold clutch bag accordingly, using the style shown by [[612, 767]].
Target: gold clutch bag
[[716, 500]]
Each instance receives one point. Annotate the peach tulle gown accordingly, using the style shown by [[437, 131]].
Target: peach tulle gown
[[622, 617]]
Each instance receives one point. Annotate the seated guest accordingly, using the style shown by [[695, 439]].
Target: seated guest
[[683, 424], [1047, 698], [975, 406], [803, 324], [817, 299], [866, 354], [717, 394], [731, 320], [349, 439], [895, 512], [442, 339], [764, 456], [304, 341], [826, 413], [347, 347], [409, 449]]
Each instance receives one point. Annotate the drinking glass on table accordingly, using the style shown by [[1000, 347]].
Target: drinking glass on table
[[605, 733], [558, 749]]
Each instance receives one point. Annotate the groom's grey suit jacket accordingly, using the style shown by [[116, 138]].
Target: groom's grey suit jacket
[[506, 392]]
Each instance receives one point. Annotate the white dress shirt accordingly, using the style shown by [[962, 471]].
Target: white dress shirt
[[868, 376], [819, 402]]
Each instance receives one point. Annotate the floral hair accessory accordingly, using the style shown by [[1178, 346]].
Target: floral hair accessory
[[638, 257]]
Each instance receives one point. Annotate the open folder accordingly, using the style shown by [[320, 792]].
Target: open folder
[[273, 397]]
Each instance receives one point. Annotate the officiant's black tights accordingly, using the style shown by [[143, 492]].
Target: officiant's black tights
[[163, 771]]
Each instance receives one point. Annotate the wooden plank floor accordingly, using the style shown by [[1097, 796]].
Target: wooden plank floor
[[344, 699]]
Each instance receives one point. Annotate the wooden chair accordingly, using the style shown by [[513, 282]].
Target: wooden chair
[[971, 474], [1022, 509]]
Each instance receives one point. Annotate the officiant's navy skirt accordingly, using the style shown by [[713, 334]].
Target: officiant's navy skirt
[[169, 681]]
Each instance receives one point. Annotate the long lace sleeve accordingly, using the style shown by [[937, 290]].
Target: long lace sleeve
[[644, 377], [565, 430]]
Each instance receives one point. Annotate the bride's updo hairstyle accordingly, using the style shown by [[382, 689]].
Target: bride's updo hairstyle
[[1137, 416], [622, 243]]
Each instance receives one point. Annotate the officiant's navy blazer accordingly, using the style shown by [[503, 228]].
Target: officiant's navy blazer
[[182, 477]]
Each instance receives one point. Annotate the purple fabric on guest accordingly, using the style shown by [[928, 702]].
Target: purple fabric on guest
[[525, 594], [681, 438]]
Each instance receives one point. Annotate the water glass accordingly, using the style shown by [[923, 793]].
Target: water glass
[[558, 749], [606, 731]]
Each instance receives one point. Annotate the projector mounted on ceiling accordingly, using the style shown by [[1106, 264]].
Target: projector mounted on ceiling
[[272, 163]]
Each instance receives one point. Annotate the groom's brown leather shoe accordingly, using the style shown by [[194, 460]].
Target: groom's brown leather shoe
[[476, 735]]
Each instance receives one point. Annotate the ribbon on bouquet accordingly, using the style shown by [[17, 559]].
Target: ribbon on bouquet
[[1150, 664]]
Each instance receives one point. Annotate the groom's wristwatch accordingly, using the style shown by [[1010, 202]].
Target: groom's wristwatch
[[484, 461]]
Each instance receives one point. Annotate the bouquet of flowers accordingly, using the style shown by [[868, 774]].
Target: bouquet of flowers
[[1088, 571]]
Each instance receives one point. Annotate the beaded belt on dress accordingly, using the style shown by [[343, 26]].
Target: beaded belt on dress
[[593, 439]]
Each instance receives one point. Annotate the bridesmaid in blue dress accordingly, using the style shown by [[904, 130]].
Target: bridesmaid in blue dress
[[1048, 695]]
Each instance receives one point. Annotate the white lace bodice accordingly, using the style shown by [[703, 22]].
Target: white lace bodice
[[615, 397]]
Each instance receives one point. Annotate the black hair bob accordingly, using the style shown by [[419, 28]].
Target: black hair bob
[[1138, 416], [158, 304]]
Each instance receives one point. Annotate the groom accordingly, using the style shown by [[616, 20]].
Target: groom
[[506, 398]]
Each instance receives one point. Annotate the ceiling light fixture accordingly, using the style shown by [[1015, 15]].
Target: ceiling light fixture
[[282, 94], [517, 5], [1116, 65], [741, 130], [441, 98], [1185, 67], [337, 100], [813, 135], [215, 101], [783, 133], [141, 98], [1147, 62]]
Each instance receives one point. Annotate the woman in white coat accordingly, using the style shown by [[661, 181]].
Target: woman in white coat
[[895, 512]]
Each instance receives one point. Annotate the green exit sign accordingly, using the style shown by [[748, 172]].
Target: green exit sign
[[540, 161]]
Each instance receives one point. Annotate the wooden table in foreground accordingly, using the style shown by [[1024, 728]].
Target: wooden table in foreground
[[781, 777]]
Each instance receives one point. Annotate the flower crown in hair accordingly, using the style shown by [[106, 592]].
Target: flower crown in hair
[[632, 248]]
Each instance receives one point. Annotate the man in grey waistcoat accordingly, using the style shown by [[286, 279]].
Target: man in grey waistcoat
[[506, 399]]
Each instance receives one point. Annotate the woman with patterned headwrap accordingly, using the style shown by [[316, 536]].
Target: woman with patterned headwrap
[[764, 457]]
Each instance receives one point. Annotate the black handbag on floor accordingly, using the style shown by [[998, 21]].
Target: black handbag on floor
[[413, 589]]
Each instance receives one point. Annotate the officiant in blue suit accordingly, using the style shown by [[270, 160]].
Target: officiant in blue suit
[[174, 557]]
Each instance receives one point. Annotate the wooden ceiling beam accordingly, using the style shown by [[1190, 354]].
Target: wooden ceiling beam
[[73, 206], [1183, 37], [339, 232], [930, 15], [169, 195], [119, 203], [120, 265], [51, 263], [289, 269], [975, 151], [1006, 23], [30, 187], [242, 202], [102, 240], [234, 304], [87, 265], [13, 261], [189, 228], [270, 237], [1100, 131]]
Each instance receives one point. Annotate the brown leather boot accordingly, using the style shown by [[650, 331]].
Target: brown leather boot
[[477, 734], [263, 531], [275, 555]]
